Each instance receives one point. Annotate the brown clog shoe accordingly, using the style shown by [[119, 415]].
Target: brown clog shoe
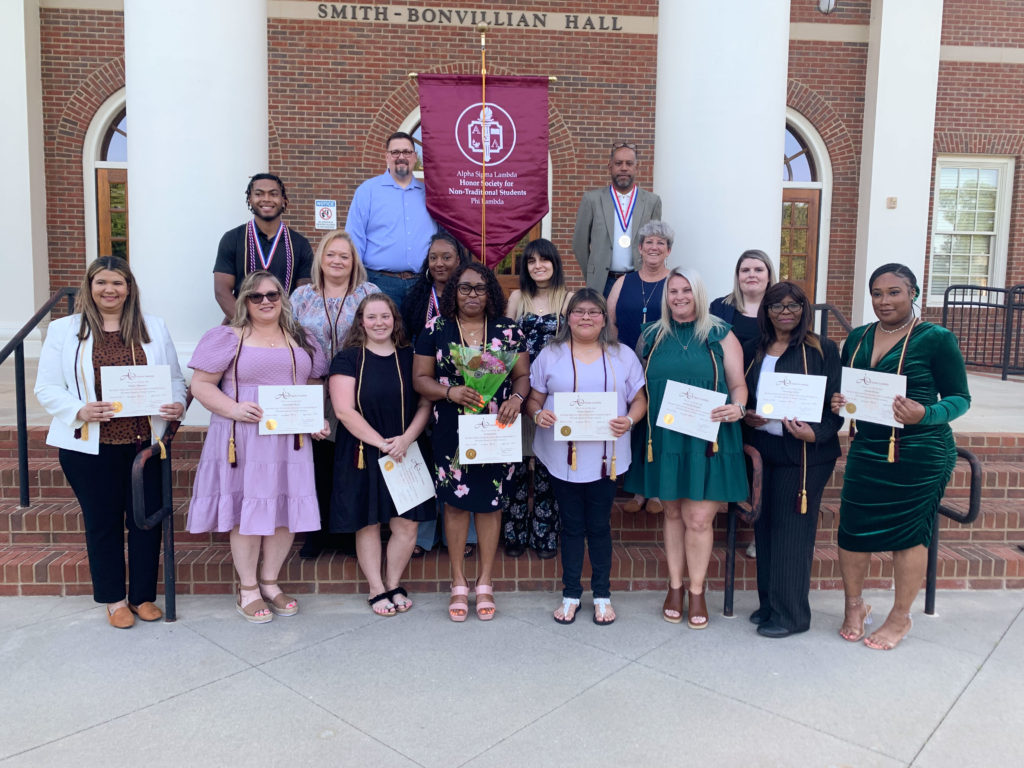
[[146, 611], [121, 618]]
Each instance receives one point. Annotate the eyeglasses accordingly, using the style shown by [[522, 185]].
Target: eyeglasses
[[623, 145], [257, 298], [587, 313], [475, 289], [792, 308], [397, 153]]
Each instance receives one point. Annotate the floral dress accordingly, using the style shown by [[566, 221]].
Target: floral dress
[[538, 531], [475, 487]]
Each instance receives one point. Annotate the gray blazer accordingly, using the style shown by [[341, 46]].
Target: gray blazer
[[595, 227]]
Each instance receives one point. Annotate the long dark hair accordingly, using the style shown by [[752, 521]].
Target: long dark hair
[[495, 297], [586, 295], [802, 333], [133, 326], [528, 287], [356, 336], [414, 306]]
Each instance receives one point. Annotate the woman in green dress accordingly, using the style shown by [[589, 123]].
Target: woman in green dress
[[693, 477], [895, 477]]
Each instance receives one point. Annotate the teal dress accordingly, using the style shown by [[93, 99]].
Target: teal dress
[[681, 468], [891, 506]]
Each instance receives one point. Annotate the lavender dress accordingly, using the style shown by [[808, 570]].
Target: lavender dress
[[272, 486]]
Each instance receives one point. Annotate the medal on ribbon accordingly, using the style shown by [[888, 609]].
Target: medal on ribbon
[[625, 217]]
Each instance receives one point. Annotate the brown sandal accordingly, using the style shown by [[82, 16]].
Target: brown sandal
[[281, 604], [697, 616], [673, 602], [250, 609]]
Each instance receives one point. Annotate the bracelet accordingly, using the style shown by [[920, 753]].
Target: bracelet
[[631, 422], [536, 416], [521, 398], [743, 409], [448, 393]]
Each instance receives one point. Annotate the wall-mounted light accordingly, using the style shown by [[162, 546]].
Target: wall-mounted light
[[827, 6]]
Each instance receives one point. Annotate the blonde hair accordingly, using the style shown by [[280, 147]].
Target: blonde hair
[[704, 321], [355, 278], [736, 297], [291, 327]]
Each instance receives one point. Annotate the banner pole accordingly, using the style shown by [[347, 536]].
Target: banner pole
[[485, 141]]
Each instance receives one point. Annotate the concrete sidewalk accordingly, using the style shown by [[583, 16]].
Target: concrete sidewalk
[[337, 685]]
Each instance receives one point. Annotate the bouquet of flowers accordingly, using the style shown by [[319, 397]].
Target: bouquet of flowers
[[483, 370]]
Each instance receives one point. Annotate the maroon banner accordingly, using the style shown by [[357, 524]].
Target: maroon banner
[[503, 142]]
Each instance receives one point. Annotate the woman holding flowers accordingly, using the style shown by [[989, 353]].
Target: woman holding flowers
[[468, 337]]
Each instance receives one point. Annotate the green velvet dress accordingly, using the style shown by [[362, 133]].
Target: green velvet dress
[[681, 469], [891, 506]]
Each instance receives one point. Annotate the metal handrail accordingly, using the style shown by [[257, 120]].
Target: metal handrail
[[988, 326], [17, 346], [748, 511], [162, 516], [831, 309], [973, 510]]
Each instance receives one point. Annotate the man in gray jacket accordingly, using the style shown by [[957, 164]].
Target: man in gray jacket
[[605, 242]]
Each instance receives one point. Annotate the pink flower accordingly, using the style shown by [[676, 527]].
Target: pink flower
[[457, 474], [440, 474], [461, 491], [511, 471], [508, 333]]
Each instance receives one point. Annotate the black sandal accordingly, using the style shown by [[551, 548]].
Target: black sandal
[[404, 605], [385, 596]]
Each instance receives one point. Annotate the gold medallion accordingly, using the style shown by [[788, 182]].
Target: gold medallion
[[767, 408], [566, 431], [669, 418], [271, 424], [851, 408], [116, 405], [471, 453], [388, 466]]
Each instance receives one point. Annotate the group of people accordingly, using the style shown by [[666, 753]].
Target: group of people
[[383, 338]]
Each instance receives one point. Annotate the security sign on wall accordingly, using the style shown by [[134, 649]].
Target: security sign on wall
[[326, 214]]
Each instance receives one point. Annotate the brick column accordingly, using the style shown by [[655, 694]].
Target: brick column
[[197, 108], [720, 124]]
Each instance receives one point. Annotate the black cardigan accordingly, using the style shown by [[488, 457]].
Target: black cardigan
[[825, 448]]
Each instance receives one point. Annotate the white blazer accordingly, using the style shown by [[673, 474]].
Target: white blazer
[[66, 380]]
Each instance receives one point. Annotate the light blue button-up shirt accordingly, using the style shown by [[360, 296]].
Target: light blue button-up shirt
[[389, 224]]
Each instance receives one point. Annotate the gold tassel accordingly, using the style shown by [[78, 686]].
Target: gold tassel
[[650, 451], [85, 430], [614, 475], [714, 447], [803, 502], [892, 448], [572, 464], [231, 451], [163, 450], [360, 462]]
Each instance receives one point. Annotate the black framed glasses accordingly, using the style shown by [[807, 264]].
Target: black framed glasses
[[587, 313], [474, 289], [792, 307], [397, 153], [257, 298]]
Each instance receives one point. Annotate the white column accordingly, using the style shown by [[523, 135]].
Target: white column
[[23, 258], [896, 158], [197, 114], [720, 126]]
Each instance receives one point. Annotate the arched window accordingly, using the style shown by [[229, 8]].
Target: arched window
[[105, 180], [798, 165], [805, 198]]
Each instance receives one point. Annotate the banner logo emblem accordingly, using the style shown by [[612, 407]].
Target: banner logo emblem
[[489, 140]]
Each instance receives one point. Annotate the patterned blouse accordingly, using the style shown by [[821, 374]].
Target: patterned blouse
[[308, 307]]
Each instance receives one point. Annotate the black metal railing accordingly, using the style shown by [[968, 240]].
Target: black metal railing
[[748, 511], [973, 510], [162, 516], [988, 324], [17, 346], [830, 309]]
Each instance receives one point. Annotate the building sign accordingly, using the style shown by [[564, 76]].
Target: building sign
[[326, 214]]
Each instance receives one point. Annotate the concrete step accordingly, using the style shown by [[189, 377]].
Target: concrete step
[[62, 569]]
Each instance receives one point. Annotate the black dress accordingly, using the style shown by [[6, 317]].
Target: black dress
[[360, 496]]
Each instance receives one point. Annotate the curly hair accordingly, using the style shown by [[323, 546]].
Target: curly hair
[[291, 327], [265, 177], [495, 296], [356, 336], [414, 306]]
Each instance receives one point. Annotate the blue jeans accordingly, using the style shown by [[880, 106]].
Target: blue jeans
[[586, 509], [395, 287]]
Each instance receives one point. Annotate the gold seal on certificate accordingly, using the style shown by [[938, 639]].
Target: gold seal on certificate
[[136, 390], [271, 424], [566, 431], [687, 409], [470, 454], [624, 241], [669, 418], [851, 408], [482, 440], [117, 406], [767, 408], [291, 409], [408, 481], [585, 416], [871, 394], [389, 465]]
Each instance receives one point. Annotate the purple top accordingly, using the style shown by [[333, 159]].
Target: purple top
[[552, 372]]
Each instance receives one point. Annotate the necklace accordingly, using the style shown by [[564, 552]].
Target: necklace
[[645, 298], [472, 334], [332, 325], [896, 330]]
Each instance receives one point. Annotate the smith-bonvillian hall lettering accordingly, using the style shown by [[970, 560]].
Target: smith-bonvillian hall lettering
[[433, 15]]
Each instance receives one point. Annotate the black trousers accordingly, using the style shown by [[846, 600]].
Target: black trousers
[[586, 510], [102, 485], [784, 537]]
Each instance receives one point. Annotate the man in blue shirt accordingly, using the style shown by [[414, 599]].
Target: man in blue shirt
[[389, 223]]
